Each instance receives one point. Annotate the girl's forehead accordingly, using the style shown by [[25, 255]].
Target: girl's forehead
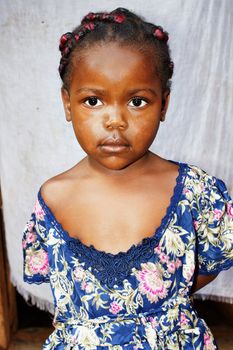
[[115, 51], [116, 63]]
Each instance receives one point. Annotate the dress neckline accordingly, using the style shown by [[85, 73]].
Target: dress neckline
[[153, 239]]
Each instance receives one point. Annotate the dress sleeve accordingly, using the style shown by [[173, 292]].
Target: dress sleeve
[[35, 253], [214, 226]]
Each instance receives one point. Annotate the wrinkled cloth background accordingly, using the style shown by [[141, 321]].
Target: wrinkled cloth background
[[36, 140]]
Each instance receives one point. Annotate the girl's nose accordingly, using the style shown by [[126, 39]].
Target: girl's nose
[[115, 120]]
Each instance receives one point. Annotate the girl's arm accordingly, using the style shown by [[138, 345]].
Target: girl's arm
[[201, 281]]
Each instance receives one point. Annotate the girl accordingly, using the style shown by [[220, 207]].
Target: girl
[[125, 237]]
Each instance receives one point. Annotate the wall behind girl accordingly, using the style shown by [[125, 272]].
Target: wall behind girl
[[35, 142]]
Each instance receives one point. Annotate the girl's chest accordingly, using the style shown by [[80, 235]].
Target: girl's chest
[[115, 222]]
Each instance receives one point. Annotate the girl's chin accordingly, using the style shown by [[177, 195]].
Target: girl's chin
[[111, 162]]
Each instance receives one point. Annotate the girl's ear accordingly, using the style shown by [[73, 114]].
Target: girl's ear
[[66, 103], [165, 103]]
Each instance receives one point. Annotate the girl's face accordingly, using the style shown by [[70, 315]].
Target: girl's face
[[114, 103]]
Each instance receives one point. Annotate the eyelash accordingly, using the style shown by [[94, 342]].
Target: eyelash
[[135, 97]]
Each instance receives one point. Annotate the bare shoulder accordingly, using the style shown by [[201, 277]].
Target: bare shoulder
[[164, 167], [52, 190], [60, 187], [163, 176]]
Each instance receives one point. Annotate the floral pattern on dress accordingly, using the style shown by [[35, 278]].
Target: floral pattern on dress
[[152, 282], [139, 299]]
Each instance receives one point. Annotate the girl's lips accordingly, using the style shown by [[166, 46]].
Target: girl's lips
[[114, 148], [114, 145]]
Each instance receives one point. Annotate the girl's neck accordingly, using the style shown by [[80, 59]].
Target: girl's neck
[[132, 170]]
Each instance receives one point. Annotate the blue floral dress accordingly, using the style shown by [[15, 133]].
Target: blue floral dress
[[138, 299]]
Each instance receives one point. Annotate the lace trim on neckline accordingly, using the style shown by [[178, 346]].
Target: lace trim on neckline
[[112, 268]]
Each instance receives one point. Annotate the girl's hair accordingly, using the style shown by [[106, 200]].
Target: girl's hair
[[121, 26]]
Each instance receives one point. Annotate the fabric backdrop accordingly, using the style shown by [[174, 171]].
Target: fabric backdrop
[[36, 140]]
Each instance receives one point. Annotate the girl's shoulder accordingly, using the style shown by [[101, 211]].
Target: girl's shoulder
[[195, 178], [58, 188], [199, 175], [193, 172], [202, 184]]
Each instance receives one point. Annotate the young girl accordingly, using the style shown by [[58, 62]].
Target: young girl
[[125, 237]]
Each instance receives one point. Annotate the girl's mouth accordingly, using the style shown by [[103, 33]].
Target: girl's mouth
[[114, 145], [114, 148]]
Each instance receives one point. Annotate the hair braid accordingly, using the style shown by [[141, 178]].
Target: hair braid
[[120, 25], [69, 40]]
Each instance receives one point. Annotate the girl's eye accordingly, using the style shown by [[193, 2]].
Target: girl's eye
[[137, 102], [92, 101]]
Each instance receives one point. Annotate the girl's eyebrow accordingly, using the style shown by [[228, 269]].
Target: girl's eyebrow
[[133, 91], [101, 91], [86, 89]]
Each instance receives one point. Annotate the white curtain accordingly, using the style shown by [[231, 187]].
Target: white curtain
[[37, 142]]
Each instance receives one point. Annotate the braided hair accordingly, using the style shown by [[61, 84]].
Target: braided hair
[[124, 27]]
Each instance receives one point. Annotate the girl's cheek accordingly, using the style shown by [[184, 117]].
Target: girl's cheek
[[147, 126]]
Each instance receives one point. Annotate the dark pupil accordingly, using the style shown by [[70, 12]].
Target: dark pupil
[[137, 101], [92, 101]]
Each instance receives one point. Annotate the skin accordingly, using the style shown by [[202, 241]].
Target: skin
[[106, 184], [115, 114]]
